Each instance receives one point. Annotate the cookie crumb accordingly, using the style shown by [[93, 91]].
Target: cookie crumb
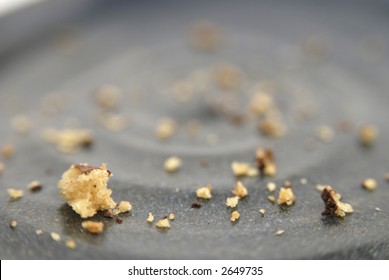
[[333, 205], [93, 227], [235, 216], [369, 184], [271, 187], [286, 196], [196, 205], [240, 190], [280, 232], [325, 133], [204, 192], [68, 140], [232, 201], [266, 161], [172, 164], [172, 216], [55, 236], [272, 127], [85, 189], [165, 128], [260, 103], [303, 181], [118, 220], [7, 150], [367, 134], [271, 198], [243, 169], [320, 187], [71, 244], [39, 232], [34, 186], [122, 207], [163, 223], [377, 209], [108, 96], [150, 218], [15, 194], [227, 76], [262, 211], [13, 224]]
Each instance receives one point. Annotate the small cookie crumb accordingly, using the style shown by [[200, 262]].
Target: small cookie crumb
[[108, 96], [15, 194], [71, 244], [333, 205], [303, 181], [7, 150], [243, 169], [262, 211], [172, 216], [39, 232], [34, 186], [286, 196], [68, 140], [55, 236], [93, 227], [271, 198], [204, 192], [172, 164], [272, 127], [240, 190], [369, 184], [122, 207], [266, 161], [325, 133], [118, 220], [196, 205], [271, 187], [150, 218], [377, 209], [280, 232], [163, 223], [165, 129], [232, 201], [235, 216], [13, 224], [367, 134]]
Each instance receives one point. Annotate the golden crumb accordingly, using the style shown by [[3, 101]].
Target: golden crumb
[[34, 186], [367, 134], [333, 205], [232, 201], [165, 129], [13, 224], [286, 196], [205, 36], [325, 133], [369, 184], [71, 244], [243, 169], [303, 181], [108, 96], [172, 164], [15, 194], [7, 150], [39, 232], [235, 216], [265, 161], [163, 223], [93, 227], [320, 187], [204, 192], [150, 218], [113, 122], [240, 190], [55, 236], [271, 187], [227, 76], [68, 140], [122, 207], [271, 198], [21, 124], [280, 232], [172, 216], [85, 189], [260, 103], [262, 211], [272, 127]]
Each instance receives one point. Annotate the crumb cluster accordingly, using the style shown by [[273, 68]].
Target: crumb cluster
[[333, 205], [266, 161]]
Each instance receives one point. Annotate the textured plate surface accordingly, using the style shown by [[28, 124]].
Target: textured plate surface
[[144, 48]]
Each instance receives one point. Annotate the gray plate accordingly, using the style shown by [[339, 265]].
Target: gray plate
[[144, 46]]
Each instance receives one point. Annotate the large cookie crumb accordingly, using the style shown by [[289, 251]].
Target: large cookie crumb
[[333, 205], [85, 189]]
